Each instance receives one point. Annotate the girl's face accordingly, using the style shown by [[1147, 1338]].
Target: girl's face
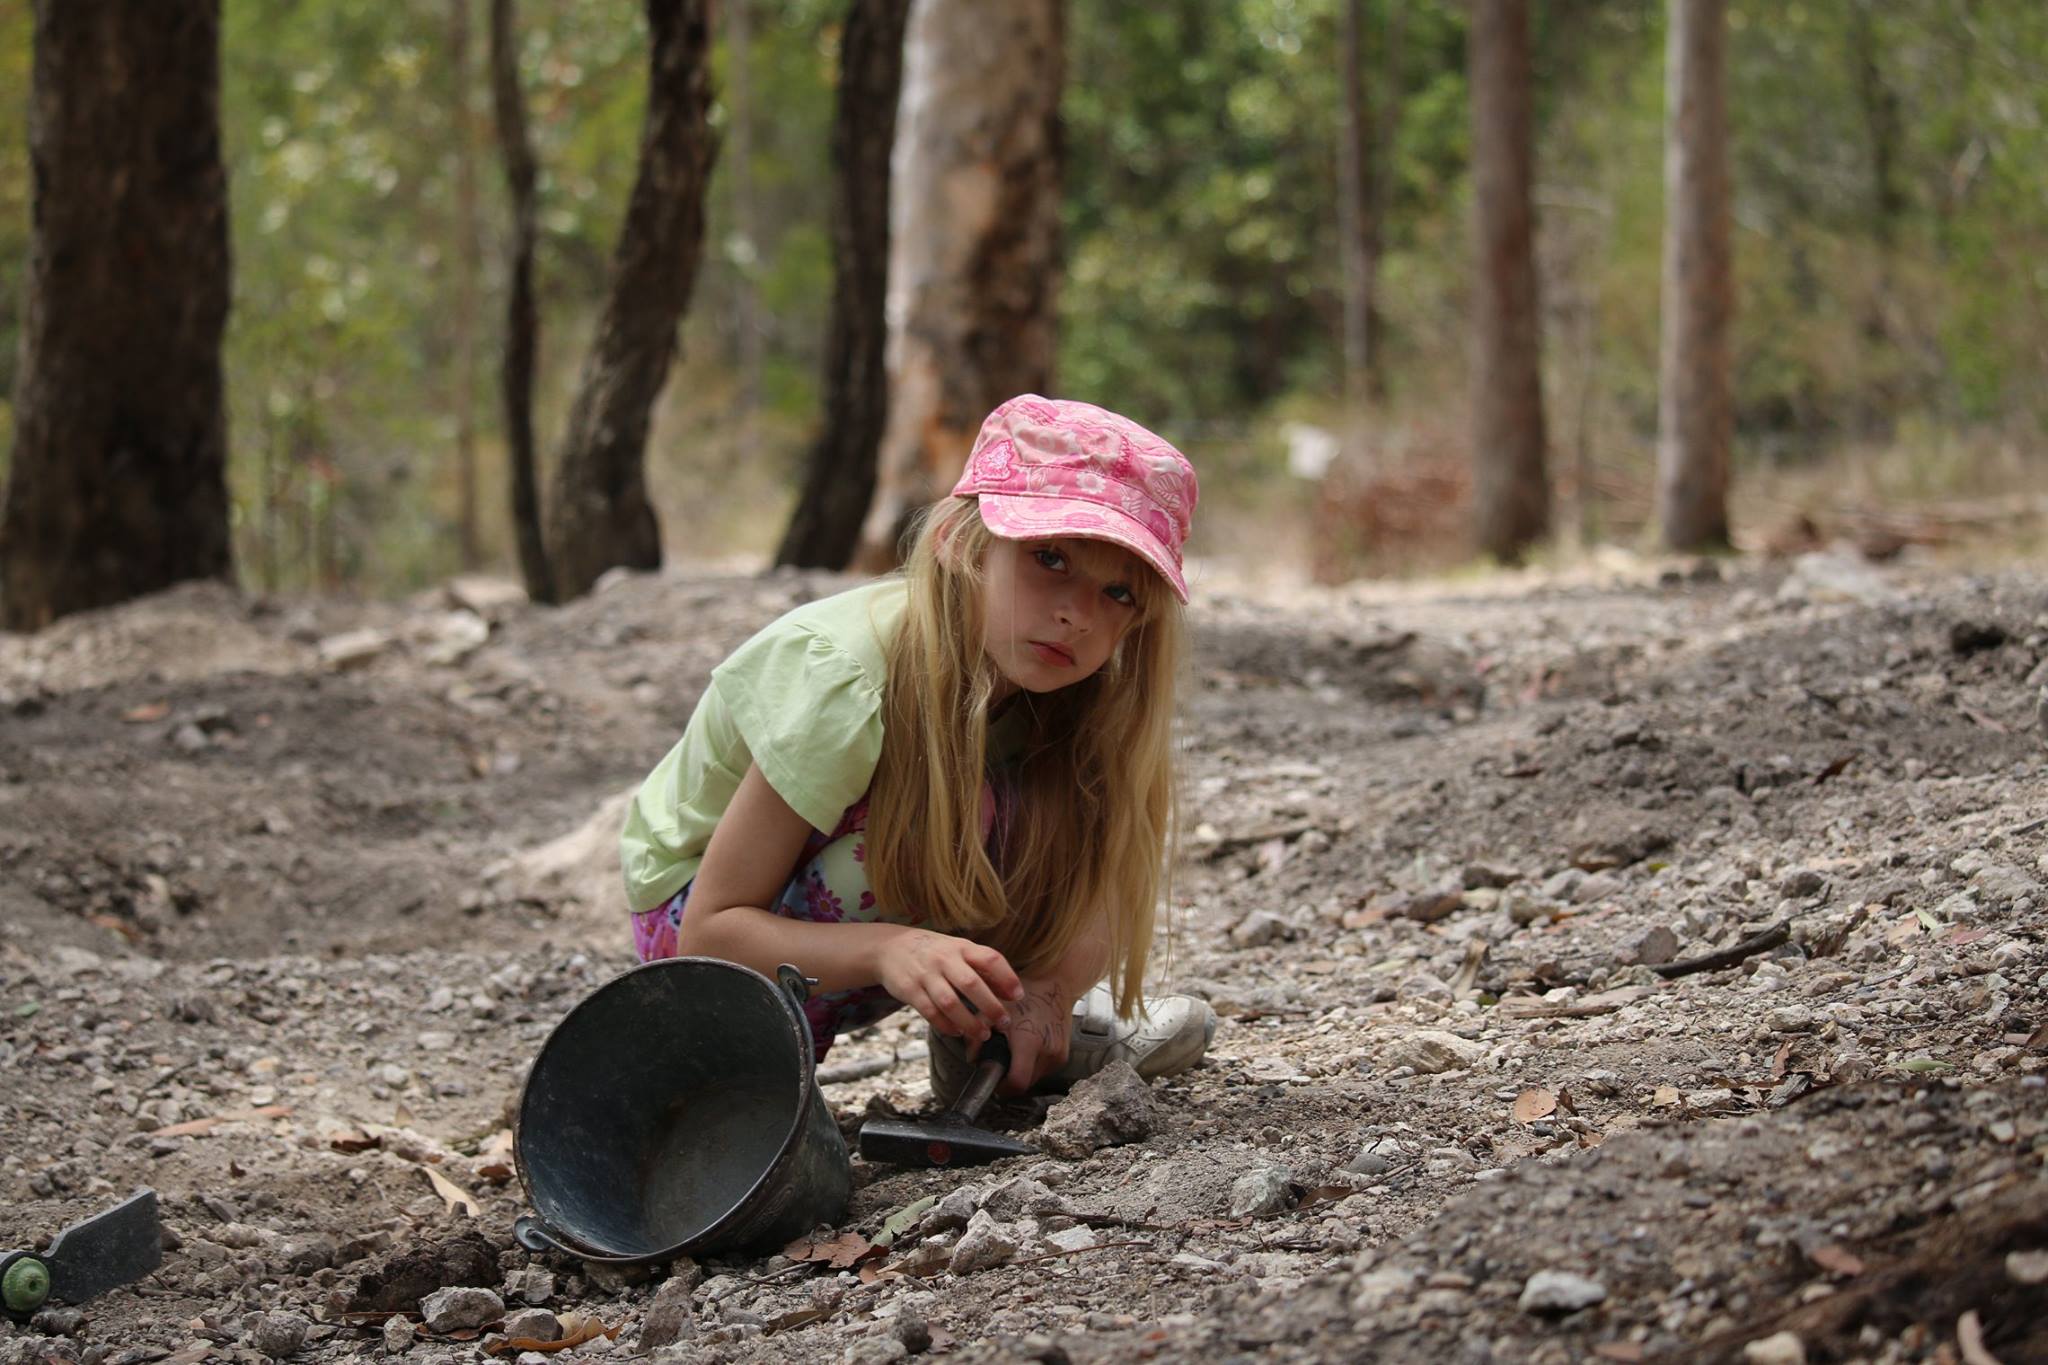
[[1055, 609]]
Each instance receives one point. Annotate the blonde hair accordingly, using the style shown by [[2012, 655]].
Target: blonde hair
[[1093, 822]]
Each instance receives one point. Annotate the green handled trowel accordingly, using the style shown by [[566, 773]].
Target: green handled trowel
[[104, 1252]]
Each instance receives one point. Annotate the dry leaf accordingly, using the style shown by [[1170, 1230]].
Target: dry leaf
[[577, 1328], [1534, 1104], [354, 1141], [839, 1253], [147, 712], [451, 1193], [498, 1144], [1959, 935], [194, 1127], [1778, 1062], [1836, 1261], [495, 1172]]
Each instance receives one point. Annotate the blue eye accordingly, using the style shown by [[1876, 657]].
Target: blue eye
[[1121, 595], [1051, 559]]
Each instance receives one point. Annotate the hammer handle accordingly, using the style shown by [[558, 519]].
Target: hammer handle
[[989, 1068]]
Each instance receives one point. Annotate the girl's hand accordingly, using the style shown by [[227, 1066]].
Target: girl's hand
[[941, 975], [1039, 1030]]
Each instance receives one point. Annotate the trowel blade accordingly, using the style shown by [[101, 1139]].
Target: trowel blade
[[107, 1250]]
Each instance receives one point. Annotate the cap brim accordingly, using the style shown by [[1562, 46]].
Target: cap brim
[[1035, 516]]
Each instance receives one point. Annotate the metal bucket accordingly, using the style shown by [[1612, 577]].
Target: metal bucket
[[674, 1113]]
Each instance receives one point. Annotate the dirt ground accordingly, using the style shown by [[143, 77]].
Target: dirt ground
[[291, 893]]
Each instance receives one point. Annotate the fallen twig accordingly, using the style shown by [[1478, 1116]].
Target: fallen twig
[[839, 1073], [1778, 933]]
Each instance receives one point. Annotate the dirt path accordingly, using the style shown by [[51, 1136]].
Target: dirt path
[[289, 897]]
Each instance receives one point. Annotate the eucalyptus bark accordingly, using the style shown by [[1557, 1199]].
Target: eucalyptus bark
[[1695, 414], [839, 478], [1510, 490], [118, 483], [522, 318], [463, 250], [602, 517], [974, 257], [1358, 224]]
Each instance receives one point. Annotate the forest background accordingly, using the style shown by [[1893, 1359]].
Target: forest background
[[1891, 250]]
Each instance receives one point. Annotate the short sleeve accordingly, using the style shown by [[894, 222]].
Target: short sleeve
[[811, 716]]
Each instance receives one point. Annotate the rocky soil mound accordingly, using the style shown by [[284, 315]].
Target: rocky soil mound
[[1653, 968]]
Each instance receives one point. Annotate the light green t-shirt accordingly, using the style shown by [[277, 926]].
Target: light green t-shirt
[[803, 699]]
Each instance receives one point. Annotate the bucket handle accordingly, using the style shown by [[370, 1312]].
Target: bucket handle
[[796, 983], [538, 1235]]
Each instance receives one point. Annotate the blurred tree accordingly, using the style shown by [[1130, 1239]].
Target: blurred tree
[[975, 255], [522, 317], [1694, 413], [117, 486], [601, 516], [839, 480], [1510, 492], [464, 247]]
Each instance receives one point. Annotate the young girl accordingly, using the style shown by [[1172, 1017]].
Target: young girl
[[952, 788]]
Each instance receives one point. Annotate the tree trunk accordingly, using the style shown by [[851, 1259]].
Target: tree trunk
[[739, 170], [118, 485], [602, 517], [1358, 227], [464, 248], [974, 256], [1694, 413], [1510, 493], [839, 481], [522, 318]]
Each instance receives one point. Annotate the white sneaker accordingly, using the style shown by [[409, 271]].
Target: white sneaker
[[1166, 1039]]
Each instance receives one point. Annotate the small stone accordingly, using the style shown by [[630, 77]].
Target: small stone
[[1484, 874], [1368, 1162], [2027, 1267], [532, 1324], [876, 1351], [1974, 637], [1076, 1238], [59, 1322], [1563, 886], [1780, 1348], [277, 1335], [398, 1334], [985, 1244], [1800, 882], [1261, 1190], [1649, 947], [1260, 928], [912, 1328], [1598, 886], [1113, 1106], [1023, 1197], [952, 1211], [2003, 885], [1424, 986], [1559, 1291], [1790, 1019], [451, 1310], [304, 1255], [535, 1285], [1431, 1052], [352, 649], [670, 1316]]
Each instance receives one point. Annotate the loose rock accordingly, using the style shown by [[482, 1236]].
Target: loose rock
[[1111, 1107], [1559, 1291], [1431, 1052], [1261, 1190], [451, 1310]]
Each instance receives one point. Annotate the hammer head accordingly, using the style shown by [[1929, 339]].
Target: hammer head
[[947, 1140]]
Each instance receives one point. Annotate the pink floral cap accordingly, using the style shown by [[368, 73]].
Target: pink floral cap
[[1045, 467]]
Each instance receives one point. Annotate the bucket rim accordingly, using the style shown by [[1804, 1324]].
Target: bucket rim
[[792, 1015]]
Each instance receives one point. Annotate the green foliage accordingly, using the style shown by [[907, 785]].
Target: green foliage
[[1890, 229]]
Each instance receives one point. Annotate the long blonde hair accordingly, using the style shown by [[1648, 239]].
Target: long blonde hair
[[1093, 823]]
